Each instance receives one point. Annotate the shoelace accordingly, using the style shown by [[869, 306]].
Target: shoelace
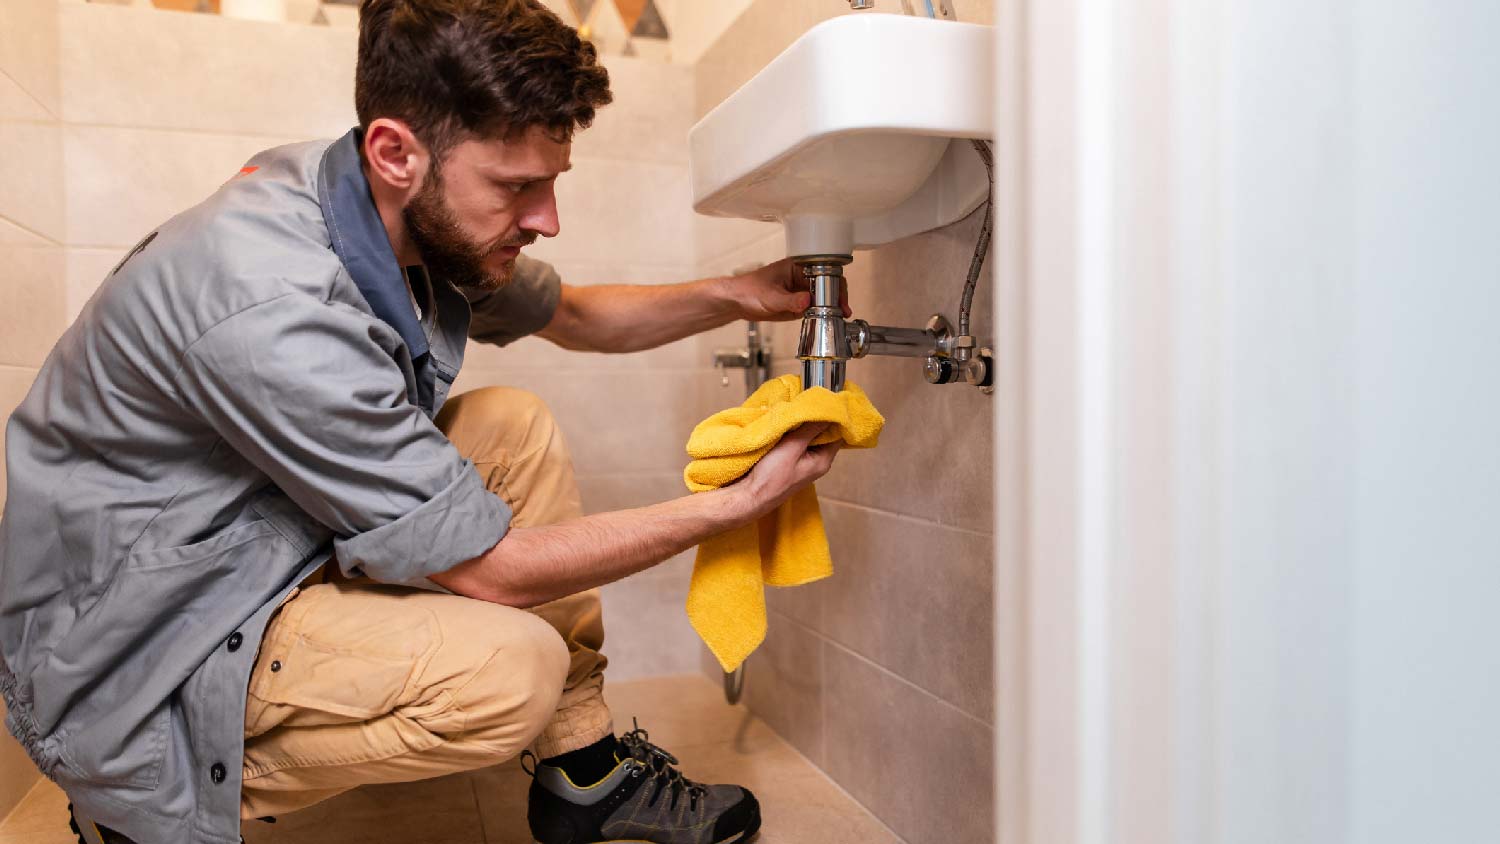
[[659, 762]]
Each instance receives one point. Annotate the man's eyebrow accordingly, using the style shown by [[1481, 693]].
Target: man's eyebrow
[[529, 177]]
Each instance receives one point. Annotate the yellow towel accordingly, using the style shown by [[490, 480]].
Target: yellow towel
[[726, 599]]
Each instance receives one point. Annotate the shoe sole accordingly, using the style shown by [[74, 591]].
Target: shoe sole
[[737, 838]]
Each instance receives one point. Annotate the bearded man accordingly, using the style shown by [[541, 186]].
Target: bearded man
[[253, 555]]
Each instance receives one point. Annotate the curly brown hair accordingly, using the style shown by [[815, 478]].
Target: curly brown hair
[[458, 69]]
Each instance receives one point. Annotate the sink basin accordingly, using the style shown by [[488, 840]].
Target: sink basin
[[848, 137]]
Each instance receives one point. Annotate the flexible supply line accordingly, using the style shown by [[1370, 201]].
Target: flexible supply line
[[982, 248]]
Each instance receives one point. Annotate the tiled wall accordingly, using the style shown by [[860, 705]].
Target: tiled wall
[[31, 237], [881, 675]]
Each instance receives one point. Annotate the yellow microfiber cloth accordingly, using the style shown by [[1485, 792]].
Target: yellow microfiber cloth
[[726, 600]]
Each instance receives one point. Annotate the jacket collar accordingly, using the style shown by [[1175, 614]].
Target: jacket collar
[[360, 240]]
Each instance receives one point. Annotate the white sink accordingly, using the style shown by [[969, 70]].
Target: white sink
[[848, 136]]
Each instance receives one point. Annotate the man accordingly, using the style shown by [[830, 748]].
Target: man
[[260, 387]]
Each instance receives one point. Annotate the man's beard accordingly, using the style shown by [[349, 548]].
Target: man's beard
[[446, 251]]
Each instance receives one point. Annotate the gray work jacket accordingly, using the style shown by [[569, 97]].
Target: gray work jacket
[[248, 392]]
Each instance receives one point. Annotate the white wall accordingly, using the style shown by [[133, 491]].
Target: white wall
[[1249, 594]]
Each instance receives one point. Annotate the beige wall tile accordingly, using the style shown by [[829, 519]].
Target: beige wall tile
[[621, 213], [584, 274], [121, 183], [920, 765], [15, 382], [915, 598], [29, 50], [805, 604], [649, 118], [31, 172], [646, 630], [606, 493], [16, 103], [768, 247], [715, 238], [614, 422], [784, 684], [17, 774], [31, 286], [84, 271], [537, 353], [206, 73], [13, 235]]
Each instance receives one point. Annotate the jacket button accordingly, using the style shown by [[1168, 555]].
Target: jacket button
[[235, 640], [275, 665], [217, 773]]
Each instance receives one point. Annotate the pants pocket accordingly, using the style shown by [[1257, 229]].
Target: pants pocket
[[344, 652]]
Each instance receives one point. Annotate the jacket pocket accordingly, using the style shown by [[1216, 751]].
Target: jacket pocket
[[116, 675]]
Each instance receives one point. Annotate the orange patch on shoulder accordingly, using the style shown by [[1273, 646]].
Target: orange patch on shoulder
[[245, 171]]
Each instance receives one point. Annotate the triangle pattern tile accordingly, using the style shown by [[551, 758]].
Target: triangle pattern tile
[[650, 23]]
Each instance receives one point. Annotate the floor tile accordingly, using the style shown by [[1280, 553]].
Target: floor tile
[[685, 711], [40, 818], [436, 811]]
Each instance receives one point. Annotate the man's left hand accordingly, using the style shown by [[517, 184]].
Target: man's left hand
[[776, 292]]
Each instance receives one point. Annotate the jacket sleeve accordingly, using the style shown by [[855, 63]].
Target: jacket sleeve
[[522, 307], [306, 392]]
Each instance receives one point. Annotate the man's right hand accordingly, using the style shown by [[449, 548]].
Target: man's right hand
[[789, 466]]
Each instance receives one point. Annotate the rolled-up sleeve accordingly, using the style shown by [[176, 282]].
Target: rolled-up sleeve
[[305, 391], [522, 307]]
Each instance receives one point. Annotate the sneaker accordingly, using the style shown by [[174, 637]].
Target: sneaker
[[644, 799]]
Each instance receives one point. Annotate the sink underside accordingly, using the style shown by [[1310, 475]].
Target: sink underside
[[848, 136]]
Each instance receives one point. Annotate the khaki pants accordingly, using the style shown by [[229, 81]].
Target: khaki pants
[[358, 682]]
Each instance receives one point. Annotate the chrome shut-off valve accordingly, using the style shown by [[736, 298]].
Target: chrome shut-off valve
[[828, 341]]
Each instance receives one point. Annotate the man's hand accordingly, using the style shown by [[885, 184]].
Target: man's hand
[[789, 466], [775, 292]]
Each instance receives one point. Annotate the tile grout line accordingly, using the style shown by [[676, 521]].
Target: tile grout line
[[484, 833], [34, 98], [41, 782], [906, 517], [833, 782], [882, 669], [31, 231], [300, 137]]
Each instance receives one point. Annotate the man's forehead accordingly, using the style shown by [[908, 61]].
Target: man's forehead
[[535, 154]]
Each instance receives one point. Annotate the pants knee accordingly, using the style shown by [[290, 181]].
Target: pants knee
[[532, 666], [519, 413]]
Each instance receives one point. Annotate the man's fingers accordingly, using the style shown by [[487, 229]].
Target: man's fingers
[[804, 434]]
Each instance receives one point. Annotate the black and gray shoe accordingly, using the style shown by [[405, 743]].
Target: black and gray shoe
[[644, 799]]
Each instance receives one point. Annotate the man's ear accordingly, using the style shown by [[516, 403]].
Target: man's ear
[[394, 155]]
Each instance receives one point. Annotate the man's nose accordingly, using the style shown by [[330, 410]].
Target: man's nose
[[541, 215]]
